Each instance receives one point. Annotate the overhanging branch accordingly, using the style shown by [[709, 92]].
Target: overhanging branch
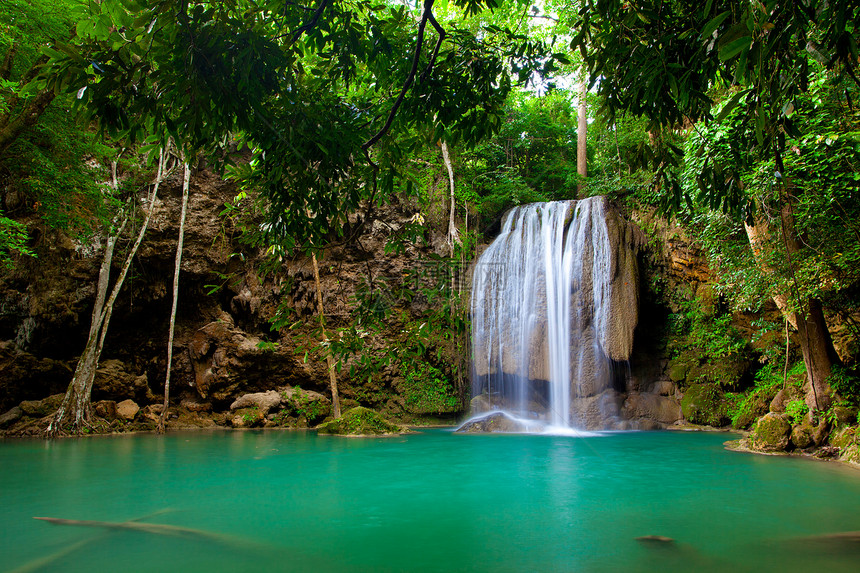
[[410, 79], [312, 21]]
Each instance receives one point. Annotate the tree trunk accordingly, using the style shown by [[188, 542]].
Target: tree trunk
[[816, 345], [186, 181], [332, 375], [76, 404], [13, 127], [453, 236], [760, 240], [581, 133], [819, 355]]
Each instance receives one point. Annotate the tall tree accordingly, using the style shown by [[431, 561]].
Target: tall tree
[[186, 183]]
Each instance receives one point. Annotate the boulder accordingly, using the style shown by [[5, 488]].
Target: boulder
[[247, 418], [307, 406], [152, 412], [194, 405], [678, 371], [783, 397], [11, 417], [127, 409], [361, 421], [801, 435], [106, 409], [704, 404], [845, 415], [41, 408], [494, 422], [663, 388], [263, 401], [770, 433]]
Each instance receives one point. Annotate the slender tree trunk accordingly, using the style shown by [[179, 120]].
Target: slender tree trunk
[[332, 374], [816, 345], [761, 239], [453, 235], [186, 182], [76, 404], [581, 133], [819, 355]]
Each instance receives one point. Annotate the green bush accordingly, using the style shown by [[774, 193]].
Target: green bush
[[796, 410], [427, 390]]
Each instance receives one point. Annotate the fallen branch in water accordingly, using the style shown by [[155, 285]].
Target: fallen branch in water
[[42, 562], [155, 528]]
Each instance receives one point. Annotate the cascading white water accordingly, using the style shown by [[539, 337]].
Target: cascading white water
[[540, 316]]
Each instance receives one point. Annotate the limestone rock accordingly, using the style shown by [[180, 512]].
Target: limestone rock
[[127, 409], [677, 372], [501, 422], [11, 417], [625, 241], [227, 361], [152, 412], [106, 409], [663, 388], [247, 418], [845, 415], [41, 408], [652, 406], [783, 397], [263, 401], [770, 433], [479, 404], [307, 406], [113, 381], [193, 405]]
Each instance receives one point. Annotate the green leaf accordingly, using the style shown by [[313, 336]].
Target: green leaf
[[731, 104], [734, 48], [711, 26]]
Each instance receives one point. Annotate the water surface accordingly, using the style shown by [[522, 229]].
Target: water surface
[[432, 501]]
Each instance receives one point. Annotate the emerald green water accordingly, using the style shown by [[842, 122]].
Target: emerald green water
[[433, 501]]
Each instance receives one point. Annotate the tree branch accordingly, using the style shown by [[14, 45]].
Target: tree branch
[[428, 5], [311, 22], [442, 34]]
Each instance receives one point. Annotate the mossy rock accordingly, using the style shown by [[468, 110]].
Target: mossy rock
[[678, 372], [41, 408], [801, 435], [247, 418], [844, 437], [845, 415], [302, 407], [771, 433], [705, 404], [756, 404], [728, 372], [850, 454], [360, 421], [680, 366]]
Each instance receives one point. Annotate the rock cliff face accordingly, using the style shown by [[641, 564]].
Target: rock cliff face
[[224, 345]]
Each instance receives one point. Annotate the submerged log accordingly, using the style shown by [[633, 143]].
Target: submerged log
[[656, 539], [155, 528]]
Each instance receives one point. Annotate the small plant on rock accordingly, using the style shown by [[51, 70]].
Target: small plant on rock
[[796, 410]]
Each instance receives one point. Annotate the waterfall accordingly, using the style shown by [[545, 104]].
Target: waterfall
[[542, 316]]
